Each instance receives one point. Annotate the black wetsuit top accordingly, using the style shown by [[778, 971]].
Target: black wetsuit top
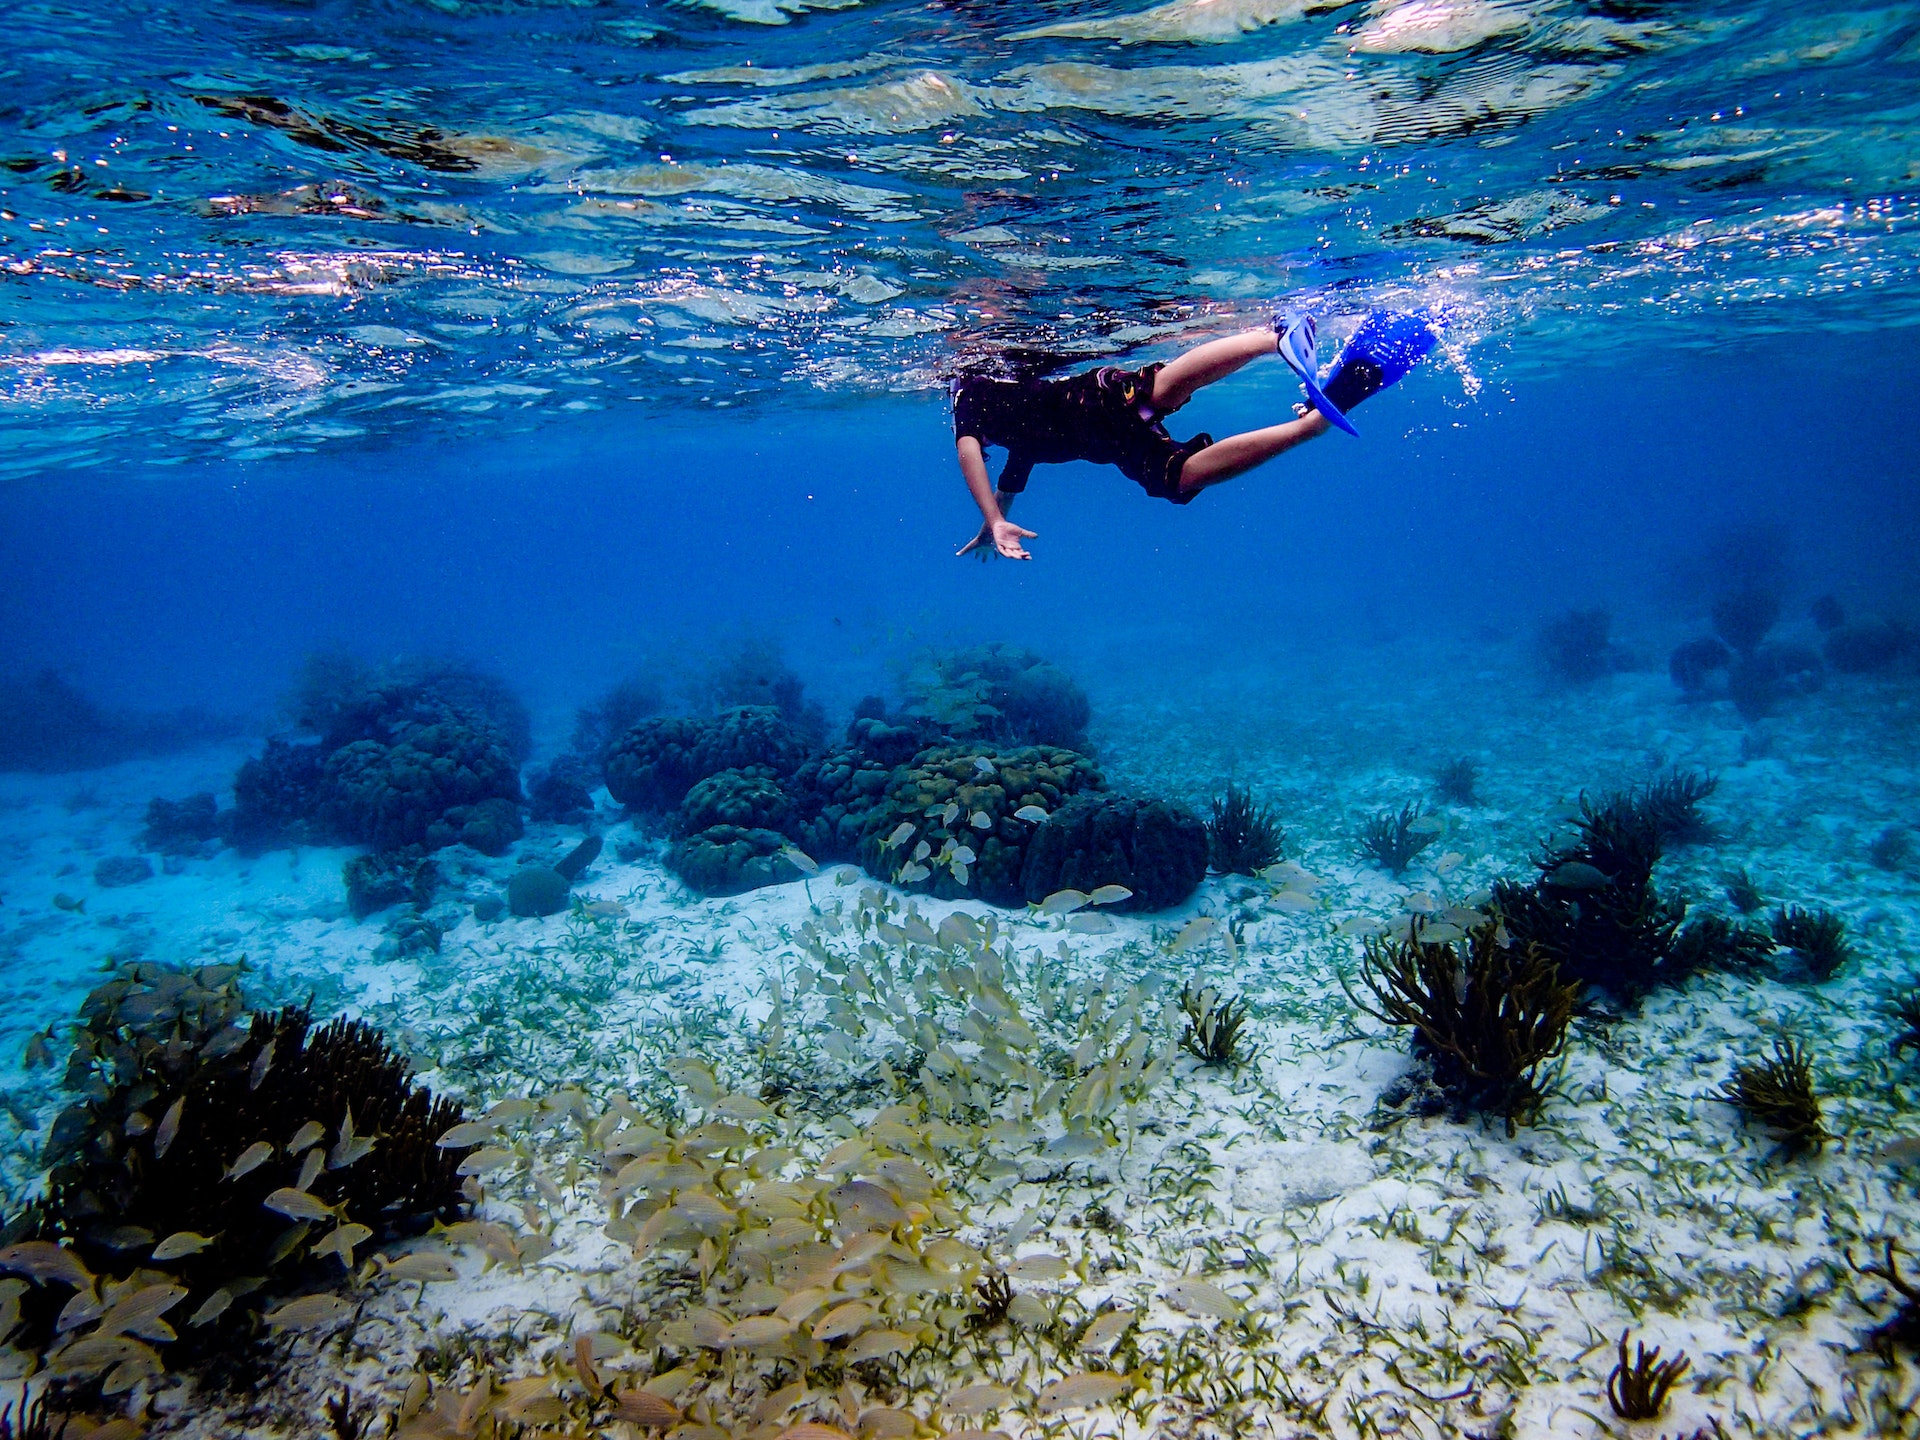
[[1105, 416]]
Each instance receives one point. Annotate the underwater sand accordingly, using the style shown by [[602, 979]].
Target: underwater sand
[[1381, 1276]]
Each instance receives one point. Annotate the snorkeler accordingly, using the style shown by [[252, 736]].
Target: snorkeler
[[1113, 416]]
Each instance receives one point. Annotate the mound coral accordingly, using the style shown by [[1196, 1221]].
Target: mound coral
[[561, 791], [342, 698], [1694, 663], [1488, 1012], [1156, 850], [835, 792], [1745, 617], [757, 674], [731, 859], [275, 795], [751, 798], [180, 827], [1242, 838], [1759, 682], [653, 766], [418, 786], [1000, 693], [426, 753], [1867, 646], [389, 877], [223, 1155], [536, 891], [47, 725], [949, 822]]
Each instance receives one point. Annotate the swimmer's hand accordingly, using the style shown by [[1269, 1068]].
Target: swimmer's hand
[[1004, 536]]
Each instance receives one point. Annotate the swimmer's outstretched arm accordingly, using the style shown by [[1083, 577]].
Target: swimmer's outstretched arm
[[995, 528]]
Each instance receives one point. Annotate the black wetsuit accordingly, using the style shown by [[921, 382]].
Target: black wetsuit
[[1103, 415]]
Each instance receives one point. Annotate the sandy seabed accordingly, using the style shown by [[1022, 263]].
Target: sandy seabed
[[1190, 1250]]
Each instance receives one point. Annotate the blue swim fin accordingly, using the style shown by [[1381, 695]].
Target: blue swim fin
[[1387, 345], [1299, 346]]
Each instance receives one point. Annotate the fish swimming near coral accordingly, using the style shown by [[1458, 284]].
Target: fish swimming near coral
[[1578, 875], [309, 1312], [64, 901], [299, 1205]]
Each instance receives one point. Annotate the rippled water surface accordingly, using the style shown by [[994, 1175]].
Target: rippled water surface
[[247, 227]]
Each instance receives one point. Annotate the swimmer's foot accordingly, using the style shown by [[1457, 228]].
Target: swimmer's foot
[[1387, 345]]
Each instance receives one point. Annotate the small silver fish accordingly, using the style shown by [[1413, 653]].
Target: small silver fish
[[64, 901], [181, 1244], [1031, 813], [164, 1137], [306, 1137], [309, 1312], [299, 1205], [251, 1159], [262, 1063], [1578, 875]]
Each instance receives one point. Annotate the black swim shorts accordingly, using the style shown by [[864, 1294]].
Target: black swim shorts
[[1104, 416]]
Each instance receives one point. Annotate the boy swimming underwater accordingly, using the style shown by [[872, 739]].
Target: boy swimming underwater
[[1113, 416]]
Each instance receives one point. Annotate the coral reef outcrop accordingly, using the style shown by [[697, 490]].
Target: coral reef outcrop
[[1155, 849]]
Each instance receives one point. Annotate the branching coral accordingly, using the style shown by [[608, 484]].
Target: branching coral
[[1595, 908], [1392, 839], [1903, 1330], [205, 1148], [1742, 891], [1906, 1011], [33, 1420], [1777, 1095], [1671, 807], [1457, 781], [1213, 1025], [1489, 1012], [1243, 838], [1713, 942], [1818, 936], [1638, 1388]]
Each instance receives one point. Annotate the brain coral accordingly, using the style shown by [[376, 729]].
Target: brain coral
[[1156, 850], [956, 802]]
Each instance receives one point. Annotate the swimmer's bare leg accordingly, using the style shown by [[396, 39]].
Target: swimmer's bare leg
[[1204, 364], [1238, 454]]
